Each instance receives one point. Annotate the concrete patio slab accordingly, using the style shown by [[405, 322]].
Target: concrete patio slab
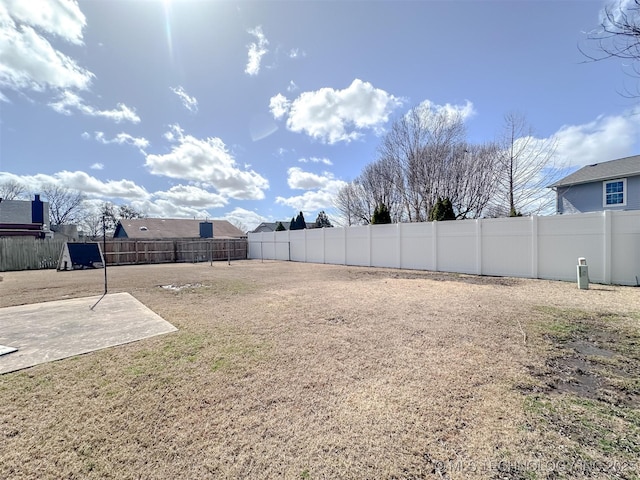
[[49, 331]]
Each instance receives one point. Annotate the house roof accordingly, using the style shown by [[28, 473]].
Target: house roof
[[270, 226], [158, 228], [623, 167]]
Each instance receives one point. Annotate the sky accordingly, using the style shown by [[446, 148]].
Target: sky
[[251, 111]]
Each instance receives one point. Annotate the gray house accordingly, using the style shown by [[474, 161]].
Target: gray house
[[24, 218], [270, 227], [613, 185]]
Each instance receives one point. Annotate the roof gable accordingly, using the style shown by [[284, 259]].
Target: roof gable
[[159, 228], [271, 226], [623, 167]]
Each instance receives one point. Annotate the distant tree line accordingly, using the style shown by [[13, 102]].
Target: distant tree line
[[427, 170], [298, 222]]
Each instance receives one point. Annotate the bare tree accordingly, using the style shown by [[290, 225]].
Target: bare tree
[[471, 180], [432, 160], [92, 224], [12, 190], [122, 212], [379, 182], [65, 205], [109, 213], [239, 225], [353, 204], [403, 145], [618, 35], [526, 167]]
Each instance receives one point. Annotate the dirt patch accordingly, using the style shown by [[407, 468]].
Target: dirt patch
[[365, 273], [594, 358], [178, 288]]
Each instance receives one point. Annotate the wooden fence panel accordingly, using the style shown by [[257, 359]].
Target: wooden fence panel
[[28, 253], [24, 253]]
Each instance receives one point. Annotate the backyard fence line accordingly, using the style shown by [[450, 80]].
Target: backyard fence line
[[132, 252], [29, 253], [545, 247], [23, 253]]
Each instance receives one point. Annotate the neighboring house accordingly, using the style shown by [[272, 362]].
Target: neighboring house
[[270, 227], [161, 228], [24, 218], [613, 185]]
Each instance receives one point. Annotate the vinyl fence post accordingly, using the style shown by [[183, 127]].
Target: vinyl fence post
[[534, 246], [606, 260], [399, 244], [369, 235], [434, 244], [478, 246], [305, 245], [346, 243]]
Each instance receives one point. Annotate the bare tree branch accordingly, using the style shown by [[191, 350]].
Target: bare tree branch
[[65, 205], [527, 165], [12, 190], [618, 36]]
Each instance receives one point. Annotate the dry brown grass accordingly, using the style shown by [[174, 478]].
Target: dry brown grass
[[288, 370]]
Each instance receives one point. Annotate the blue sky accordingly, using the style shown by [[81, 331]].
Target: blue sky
[[252, 111]]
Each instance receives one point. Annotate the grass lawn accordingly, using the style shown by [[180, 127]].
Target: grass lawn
[[302, 371]]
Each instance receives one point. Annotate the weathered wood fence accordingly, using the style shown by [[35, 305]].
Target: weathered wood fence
[[28, 253], [131, 252], [19, 253]]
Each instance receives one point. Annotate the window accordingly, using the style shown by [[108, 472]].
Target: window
[[615, 192]]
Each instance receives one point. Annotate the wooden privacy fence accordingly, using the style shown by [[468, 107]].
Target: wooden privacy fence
[[28, 253], [131, 252], [23, 253]]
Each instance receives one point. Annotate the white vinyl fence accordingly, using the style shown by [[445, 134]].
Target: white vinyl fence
[[532, 247]]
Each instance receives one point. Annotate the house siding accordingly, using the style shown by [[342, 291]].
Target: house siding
[[20, 211], [588, 197]]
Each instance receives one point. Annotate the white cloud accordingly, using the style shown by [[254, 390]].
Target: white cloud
[[28, 61], [297, 53], [256, 51], [463, 112], [190, 103], [292, 87], [241, 217], [61, 18], [83, 182], [299, 179], [606, 138], [85, 135], [320, 194], [97, 166], [279, 106], [192, 196], [27, 58], [326, 161], [163, 208], [124, 139], [207, 161], [333, 116], [92, 186], [69, 101]]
